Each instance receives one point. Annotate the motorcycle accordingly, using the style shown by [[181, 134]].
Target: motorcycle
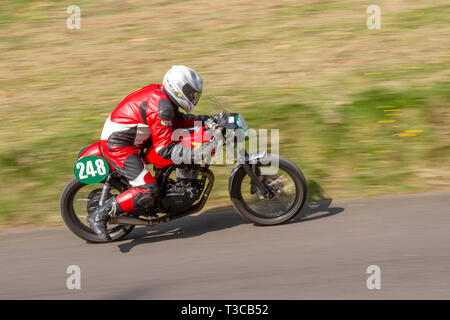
[[260, 192]]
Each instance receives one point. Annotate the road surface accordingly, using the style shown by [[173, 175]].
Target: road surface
[[323, 254]]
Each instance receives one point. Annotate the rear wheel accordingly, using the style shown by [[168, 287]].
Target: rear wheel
[[77, 201], [287, 184]]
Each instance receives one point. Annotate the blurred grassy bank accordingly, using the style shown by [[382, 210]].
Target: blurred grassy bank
[[362, 112]]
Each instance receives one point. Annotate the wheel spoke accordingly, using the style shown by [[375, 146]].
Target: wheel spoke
[[281, 184], [87, 198]]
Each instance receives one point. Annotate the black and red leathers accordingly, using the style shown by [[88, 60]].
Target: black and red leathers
[[144, 119]]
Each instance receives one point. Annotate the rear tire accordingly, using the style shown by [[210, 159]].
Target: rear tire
[[73, 222], [246, 212]]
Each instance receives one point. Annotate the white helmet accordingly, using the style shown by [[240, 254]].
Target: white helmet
[[183, 86]]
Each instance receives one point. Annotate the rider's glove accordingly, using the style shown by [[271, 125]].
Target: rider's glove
[[216, 129], [211, 123]]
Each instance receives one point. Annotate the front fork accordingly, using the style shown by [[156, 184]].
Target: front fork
[[253, 173], [258, 183]]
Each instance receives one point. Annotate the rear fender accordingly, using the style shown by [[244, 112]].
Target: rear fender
[[94, 150]]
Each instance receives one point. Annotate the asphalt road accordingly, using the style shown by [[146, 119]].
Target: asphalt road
[[323, 254]]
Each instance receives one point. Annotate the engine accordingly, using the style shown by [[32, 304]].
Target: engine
[[182, 192]]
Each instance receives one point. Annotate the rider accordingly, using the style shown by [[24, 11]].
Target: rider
[[143, 119]]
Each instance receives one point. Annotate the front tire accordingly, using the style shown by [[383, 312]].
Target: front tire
[[74, 223], [248, 206]]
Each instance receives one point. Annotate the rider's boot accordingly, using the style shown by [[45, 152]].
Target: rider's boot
[[100, 217]]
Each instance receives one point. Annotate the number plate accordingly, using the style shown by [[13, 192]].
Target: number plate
[[91, 169]]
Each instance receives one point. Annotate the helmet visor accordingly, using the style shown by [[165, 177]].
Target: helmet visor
[[192, 95]]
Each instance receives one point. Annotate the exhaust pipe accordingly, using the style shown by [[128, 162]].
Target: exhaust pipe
[[127, 220]]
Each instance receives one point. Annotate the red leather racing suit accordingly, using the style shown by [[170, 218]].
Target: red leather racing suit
[[144, 119]]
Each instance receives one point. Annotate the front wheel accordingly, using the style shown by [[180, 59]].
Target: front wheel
[[286, 183], [77, 201]]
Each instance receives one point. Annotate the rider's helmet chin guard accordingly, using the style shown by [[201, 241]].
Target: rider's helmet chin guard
[[183, 86]]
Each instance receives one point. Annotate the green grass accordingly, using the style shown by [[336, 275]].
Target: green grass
[[312, 70]]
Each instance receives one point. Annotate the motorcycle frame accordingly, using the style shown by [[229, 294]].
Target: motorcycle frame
[[161, 174]]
